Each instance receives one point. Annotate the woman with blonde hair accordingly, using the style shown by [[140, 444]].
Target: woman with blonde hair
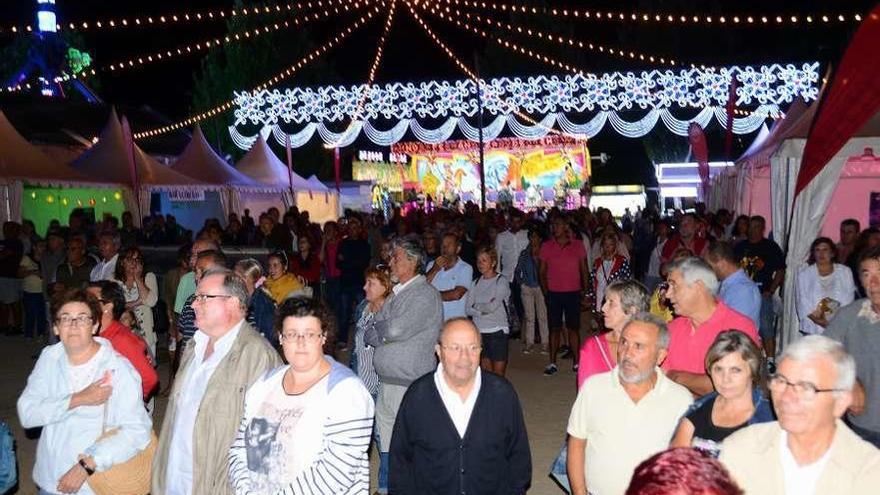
[[261, 306], [487, 305]]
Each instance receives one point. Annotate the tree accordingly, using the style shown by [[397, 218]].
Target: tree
[[242, 65]]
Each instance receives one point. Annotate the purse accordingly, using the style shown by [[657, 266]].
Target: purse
[[131, 477]]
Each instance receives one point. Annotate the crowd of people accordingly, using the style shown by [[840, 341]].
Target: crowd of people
[[396, 333]]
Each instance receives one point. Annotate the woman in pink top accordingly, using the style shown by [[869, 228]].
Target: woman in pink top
[[623, 299]]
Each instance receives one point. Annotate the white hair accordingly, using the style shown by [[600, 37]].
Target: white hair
[[812, 346], [694, 269]]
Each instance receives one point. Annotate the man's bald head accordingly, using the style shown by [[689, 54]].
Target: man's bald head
[[456, 325]]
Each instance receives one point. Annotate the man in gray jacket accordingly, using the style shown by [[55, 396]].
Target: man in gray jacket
[[404, 334]]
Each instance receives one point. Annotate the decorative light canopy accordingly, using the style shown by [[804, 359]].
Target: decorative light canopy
[[551, 97]]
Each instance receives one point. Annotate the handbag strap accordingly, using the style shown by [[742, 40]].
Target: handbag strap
[[604, 355]]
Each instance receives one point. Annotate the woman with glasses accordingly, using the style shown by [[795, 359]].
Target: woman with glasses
[[733, 362], [122, 339], [261, 307], [79, 387], [141, 291], [307, 425], [280, 283]]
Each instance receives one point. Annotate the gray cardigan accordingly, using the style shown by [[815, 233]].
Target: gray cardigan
[[405, 332]]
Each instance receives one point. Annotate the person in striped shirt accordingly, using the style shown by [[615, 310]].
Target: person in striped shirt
[[307, 425]]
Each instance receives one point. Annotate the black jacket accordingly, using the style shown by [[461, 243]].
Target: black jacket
[[428, 457]]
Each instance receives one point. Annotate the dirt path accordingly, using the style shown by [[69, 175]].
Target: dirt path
[[546, 403]]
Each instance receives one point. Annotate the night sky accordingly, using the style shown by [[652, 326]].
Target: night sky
[[410, 56]]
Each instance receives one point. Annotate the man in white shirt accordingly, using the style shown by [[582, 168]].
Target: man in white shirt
[[108, 246], [460, 429], [510, 244], [622, 417], [223, 359], [809, 451], [451, 276]]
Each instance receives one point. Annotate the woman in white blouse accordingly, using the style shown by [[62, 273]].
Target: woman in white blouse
[[141, 291], [823, 286]]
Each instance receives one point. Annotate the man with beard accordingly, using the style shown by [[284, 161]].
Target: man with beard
[[626, 415]]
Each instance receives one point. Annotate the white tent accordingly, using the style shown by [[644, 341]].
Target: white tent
[[108, 161], [841, 190], [199, 161], [262, 165], [23, 163]]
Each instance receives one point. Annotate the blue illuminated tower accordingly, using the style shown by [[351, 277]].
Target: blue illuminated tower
[[47, 57]]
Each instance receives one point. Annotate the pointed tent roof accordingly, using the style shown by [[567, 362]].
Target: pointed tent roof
[[199, 161], [22, 160], [316, 182], [107, 160], [262, 165]]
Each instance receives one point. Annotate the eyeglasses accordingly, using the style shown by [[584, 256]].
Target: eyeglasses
[[79, 321], [202, 298], [458, 349], [301, 337], [803, 390]]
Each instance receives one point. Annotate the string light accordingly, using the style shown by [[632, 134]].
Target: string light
[[534, 33], [461, 65], [205, 45], [286, 73], [189, 17], [664, 18], [377, 59]]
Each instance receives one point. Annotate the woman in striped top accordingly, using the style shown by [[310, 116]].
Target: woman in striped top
[[377, 288], [307, 425]]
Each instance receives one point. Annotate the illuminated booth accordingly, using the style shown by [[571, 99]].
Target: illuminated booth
[[526, 173]]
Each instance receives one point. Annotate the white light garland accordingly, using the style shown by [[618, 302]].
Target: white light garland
[[631, 129], [687, 88]]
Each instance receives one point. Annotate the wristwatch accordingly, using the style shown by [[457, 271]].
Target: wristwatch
[[89, 471]]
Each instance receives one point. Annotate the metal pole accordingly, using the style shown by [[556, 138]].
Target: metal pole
[[479, 82]]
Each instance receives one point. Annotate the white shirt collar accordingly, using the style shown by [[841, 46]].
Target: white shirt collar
[[397, 289], [221, 347], [460, 411]]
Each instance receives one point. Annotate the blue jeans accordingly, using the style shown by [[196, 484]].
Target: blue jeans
[[767, 328], [34, 314]]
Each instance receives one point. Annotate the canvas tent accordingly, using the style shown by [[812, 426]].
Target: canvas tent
[[263, 166], [108, 161], [199, 161], [38, 188]]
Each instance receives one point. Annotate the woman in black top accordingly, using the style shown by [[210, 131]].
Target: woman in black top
[[733, 362]]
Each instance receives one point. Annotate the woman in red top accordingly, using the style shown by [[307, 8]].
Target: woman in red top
[[307, 264], [112, 300]]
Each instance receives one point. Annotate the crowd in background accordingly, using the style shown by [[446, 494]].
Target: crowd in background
[[669, 309]]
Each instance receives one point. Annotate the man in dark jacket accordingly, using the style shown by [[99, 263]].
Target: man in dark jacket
[[352, 258], [459, 429]]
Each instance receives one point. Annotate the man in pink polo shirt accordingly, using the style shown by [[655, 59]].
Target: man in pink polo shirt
[[701, 317], [564, 279]]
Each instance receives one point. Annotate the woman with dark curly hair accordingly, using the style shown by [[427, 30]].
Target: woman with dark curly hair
[[308, 423]]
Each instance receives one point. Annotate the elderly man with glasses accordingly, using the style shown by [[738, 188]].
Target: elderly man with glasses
[[223, 359], [404, 333], [809, 450], [484, 449]]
